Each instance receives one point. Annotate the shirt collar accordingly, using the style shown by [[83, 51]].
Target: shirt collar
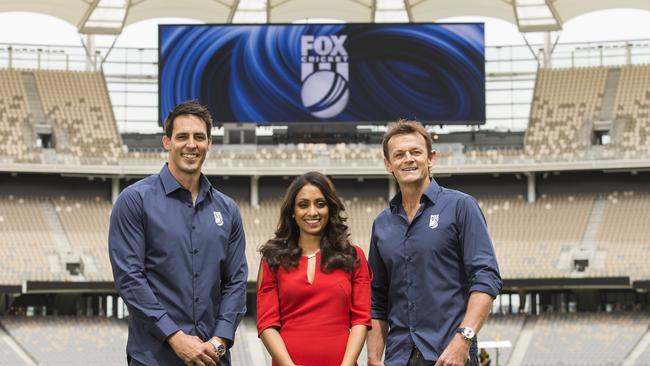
[[170, 184], [431, 194]]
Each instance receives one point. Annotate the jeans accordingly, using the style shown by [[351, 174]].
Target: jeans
[[417, 359]]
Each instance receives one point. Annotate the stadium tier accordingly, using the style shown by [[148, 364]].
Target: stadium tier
[[548, 339], [15, 116], [70, 340], [71, 111], [564, 101], [529, 238], [85, 222], [532, 240], [584, 339], [79, 108], [624, 235], [633, 108], [28, 245]]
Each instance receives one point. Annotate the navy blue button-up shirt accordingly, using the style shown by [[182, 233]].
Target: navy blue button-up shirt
[[423, 272], [177, 265]]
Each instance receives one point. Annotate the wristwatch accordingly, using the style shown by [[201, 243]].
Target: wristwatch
[[468, 333], [218, 347]]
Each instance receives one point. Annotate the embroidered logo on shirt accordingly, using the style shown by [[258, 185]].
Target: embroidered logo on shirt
[[433, 221], [218, 219]]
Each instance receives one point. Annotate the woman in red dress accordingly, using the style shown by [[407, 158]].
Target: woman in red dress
[[313, 286]]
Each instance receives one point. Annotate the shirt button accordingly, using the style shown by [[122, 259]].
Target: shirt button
[[412, 329], [193, 227], [408, 258], [196, 299], [408, 282], [196, 274], [195, 251], [189, 205]]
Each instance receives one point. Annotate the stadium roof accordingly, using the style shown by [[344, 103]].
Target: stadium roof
[[529, 15]]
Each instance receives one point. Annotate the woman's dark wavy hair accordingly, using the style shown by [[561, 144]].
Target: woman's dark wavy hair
[[335, 248]]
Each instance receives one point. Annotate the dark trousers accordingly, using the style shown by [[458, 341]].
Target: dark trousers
[[417, 359]]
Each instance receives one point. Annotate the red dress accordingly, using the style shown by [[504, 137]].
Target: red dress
[[314, 319]]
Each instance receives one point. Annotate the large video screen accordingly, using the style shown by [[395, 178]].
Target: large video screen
[[360, 73]]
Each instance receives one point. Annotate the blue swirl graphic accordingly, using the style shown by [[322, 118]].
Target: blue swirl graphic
[[252, 73]]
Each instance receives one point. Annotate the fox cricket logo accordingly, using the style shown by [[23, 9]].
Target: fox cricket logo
[[433, 221], [324, 75], [218, 219]]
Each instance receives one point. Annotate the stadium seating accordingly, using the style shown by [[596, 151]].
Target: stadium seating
[[625, 235], [87, 341], [557, 338], [27, 245], [78, 102], [14, 115], [361, 212], [496, 155], [68, 340], [633, 108], [259, 225], [310, 156], [585, 339], [564, 101], [529, 237], [85, 222]]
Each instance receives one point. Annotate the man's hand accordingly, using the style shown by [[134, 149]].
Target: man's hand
[[456, 353], [192, 350]]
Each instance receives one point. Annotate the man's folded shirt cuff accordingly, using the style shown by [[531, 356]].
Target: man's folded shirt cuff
[[490, 290], [166, 327], [226, 332]]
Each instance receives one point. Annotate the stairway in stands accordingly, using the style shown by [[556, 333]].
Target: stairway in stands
[[526, 336], [67, 253], [39, 122], [609, 95]]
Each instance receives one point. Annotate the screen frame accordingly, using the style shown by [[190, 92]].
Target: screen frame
[[351, 123]]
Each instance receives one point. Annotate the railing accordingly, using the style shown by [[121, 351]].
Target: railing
[[132, 75], [294, 155]]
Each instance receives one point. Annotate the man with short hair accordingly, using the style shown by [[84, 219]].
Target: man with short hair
[[177, 249], [435, 274]]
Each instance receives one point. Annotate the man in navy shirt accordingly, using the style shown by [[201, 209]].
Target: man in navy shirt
[[177, 249], [435, 274]]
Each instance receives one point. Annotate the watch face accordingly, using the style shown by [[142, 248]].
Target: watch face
[[468, 333], [221, 350]]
